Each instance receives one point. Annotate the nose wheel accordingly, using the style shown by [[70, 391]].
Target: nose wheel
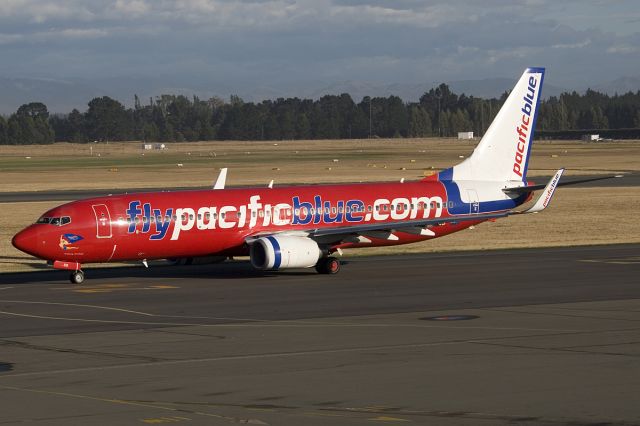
[[77, 277]]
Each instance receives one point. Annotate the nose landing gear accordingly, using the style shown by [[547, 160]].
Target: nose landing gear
[[77, 277]]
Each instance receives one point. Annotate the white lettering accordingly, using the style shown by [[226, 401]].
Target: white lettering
[[183, 224]]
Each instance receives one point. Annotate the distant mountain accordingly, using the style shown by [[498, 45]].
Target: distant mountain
[[59, 94], [620, 85], [495, 87]]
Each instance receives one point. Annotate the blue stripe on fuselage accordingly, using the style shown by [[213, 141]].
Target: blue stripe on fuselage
[[460, 207]]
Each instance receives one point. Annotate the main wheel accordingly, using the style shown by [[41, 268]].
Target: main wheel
[[77, 277], [328, 265]]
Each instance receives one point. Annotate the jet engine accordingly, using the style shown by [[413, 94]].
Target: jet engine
[[284, 251]]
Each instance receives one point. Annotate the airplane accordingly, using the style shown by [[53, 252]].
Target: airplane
[[302, 226]]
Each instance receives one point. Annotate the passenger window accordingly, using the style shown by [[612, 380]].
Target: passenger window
[[222, 215], [191, 216], [137, 219], [144, 219]]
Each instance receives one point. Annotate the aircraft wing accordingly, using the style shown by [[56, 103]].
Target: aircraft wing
[[388, 230], [417, 226], [385, 230]]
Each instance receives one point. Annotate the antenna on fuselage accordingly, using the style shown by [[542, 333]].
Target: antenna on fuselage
[[270, 186], [222, 179]]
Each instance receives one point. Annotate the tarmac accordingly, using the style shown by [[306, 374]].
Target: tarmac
[[517, 337]]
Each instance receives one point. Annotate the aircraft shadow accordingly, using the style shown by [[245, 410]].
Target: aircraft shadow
[[237, 270]]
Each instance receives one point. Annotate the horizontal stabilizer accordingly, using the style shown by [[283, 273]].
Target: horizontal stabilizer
[[527, 189]]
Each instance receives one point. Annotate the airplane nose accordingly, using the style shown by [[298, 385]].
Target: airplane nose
[[26, 241]]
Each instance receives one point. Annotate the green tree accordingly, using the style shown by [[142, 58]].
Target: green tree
[[30, 125], [3, 131], [419, 122], [107, 120], [303, 127], [34, 110]]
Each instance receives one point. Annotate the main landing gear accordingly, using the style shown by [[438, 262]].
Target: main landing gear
[[328, 265], [77, 277]]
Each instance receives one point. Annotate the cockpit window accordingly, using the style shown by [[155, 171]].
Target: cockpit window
[[56, 221]]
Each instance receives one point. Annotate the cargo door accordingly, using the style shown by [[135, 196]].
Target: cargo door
[[103, 221]]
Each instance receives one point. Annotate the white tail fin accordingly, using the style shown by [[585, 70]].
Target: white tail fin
[[503, 152]]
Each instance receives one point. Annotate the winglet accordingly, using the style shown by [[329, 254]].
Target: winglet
[[544, 199], [222, 179]]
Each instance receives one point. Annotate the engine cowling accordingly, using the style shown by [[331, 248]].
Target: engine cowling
[[284, 251]]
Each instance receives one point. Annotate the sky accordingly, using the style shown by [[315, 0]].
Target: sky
[[249, 43]]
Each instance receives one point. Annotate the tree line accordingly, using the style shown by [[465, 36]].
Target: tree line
[[439, 112]]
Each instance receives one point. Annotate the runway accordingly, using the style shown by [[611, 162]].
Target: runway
[[527, 337]]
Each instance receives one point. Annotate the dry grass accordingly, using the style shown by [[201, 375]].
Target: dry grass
[[69, 166], [578, 216]]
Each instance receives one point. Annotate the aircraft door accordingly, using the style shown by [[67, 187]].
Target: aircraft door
[[474, 202], [103, 221]]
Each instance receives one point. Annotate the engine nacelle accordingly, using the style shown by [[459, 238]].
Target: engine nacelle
[[284, 251]]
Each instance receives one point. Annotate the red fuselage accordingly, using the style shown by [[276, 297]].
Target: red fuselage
[[178, 224]]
